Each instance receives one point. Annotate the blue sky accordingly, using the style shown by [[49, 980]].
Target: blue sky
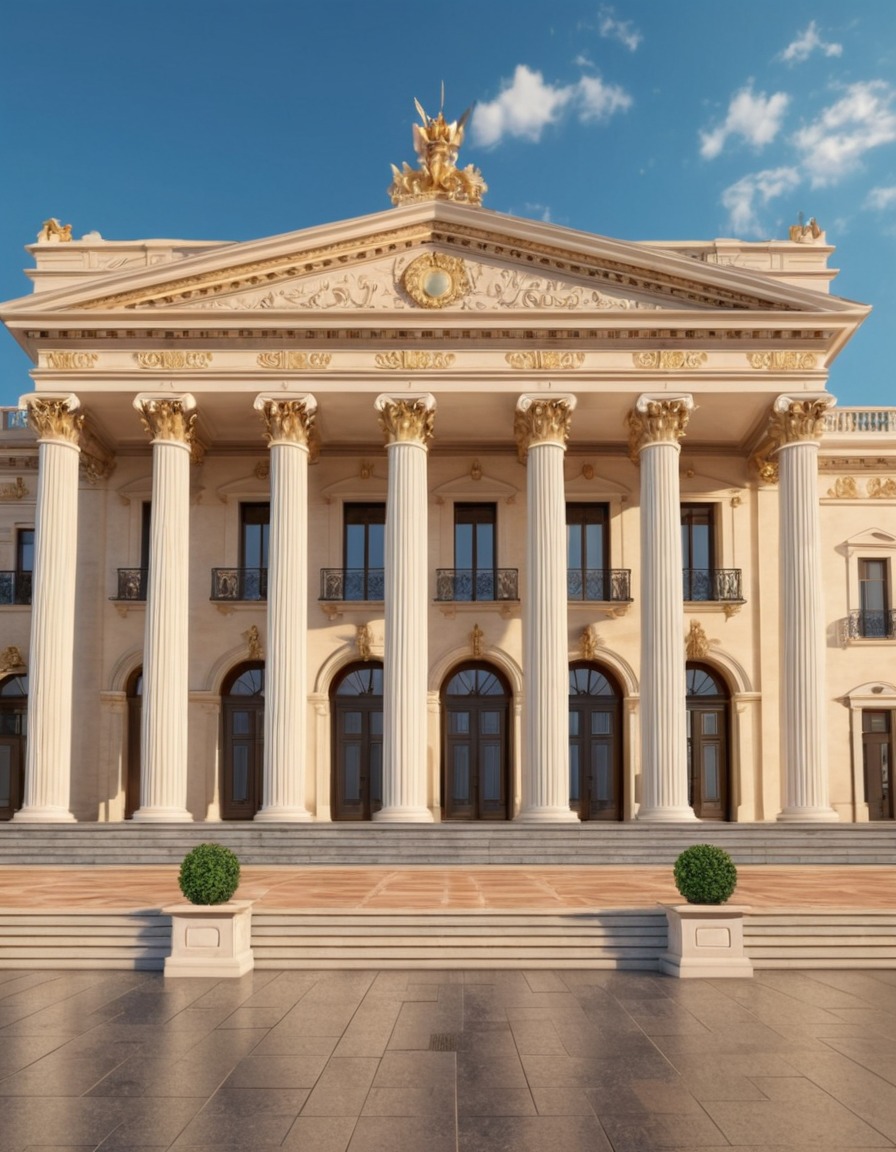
[[644, 119]]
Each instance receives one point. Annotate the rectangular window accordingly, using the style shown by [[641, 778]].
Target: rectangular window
[[145, 529], [25, 550], [588, 551], [255, 522], [874, 599], [475, 562], [698, 553], [364, 548]]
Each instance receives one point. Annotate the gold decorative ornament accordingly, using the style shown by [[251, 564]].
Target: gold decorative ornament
[[72, 360], [413, 361], [797, 421], [254, 649], [262, 469], [52, 232], [167, 360], [366, 470], [11, 659], [783, 361], [364, 641], [879, 489], [435, 280], [289, 420], [764, 466], [696, 643], [406, 421], [545, 361], [476, 471], [654, 421], [294, 361], [587, 471], [805, 233], [589, 643], [542, 420], [476, 638], [13, 491], [670, 360], [437, 144], [56, 419], [845, 488], [170, 420]]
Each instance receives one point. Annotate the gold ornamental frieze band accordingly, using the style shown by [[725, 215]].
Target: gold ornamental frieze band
[[783, 361], [294, 361], [542, 420], [168, 419], [538, 361], [167, 360], [290, 420], [413, 360], [55, 418], [674, 361], [72, 360], [406, 420]]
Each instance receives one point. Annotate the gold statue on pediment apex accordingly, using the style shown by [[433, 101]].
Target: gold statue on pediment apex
[[437, 143]]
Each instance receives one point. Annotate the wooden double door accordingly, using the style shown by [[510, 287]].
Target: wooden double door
[[13, 730], [476, 744], [877, 756], [708, 708], [595, 743]]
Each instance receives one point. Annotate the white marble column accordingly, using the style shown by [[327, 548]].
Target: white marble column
[[655, 426], [289, 421], [795, 428], [169, 420], [542, 429], [407, 422], [51, 655]]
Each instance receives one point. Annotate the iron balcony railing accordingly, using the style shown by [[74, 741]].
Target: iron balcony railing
[[239, 584], [872, 625], [15, 587], [712, 584], [352, 584], [477, 584], [599, 584], [131, 584]]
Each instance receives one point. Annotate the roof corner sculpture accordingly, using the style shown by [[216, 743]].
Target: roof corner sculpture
[[437, 143]]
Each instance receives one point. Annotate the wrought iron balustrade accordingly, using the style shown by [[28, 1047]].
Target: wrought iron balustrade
[[477, 584], [239, 584], [712, 584], [872, 625], [131, 584], [352, 584], [599, 584], [15, 587]]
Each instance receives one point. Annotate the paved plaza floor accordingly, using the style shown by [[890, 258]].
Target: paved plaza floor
[[504, 1061]]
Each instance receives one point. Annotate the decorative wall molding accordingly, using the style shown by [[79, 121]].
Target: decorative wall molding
[[783, 361], [294, 361], [168, 360], [669, 360], [545, 361], [72, 360], [410, 360]]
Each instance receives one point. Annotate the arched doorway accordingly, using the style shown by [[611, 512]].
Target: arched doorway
[[707, 729], [134, 693], [476, 761], [357, 707], [595, 743], [13, 731], [242, 713], [877, 762]]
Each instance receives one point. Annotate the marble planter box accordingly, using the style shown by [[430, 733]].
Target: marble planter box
[[210, 939], [705, 940]]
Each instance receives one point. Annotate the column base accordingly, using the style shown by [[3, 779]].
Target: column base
[[668, 815], [163, 815], [396, 815], [547, 815], [283, 814], [815, 815], [48, 814]]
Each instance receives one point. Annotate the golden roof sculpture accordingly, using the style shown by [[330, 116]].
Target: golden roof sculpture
[[437, 143]]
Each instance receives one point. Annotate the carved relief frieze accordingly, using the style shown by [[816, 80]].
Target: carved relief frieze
[[542, 420], [844, 488], [292, 361], [72, 361], [413, 361], [15, 491], [669, 360], [783, 361], [545, 361], [168, 360], [879, 489]]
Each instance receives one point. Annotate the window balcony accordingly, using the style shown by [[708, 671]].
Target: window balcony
[[15, 587], [230, 584], [720, 584], [601, 584], [872, 625], [476, 584], [131, 584], [352, 584]]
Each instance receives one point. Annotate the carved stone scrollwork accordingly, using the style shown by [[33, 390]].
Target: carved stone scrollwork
[[878, 489], [14, 491], [406, 420], [782, 361], [168, 419], [674, 360], [590, 642], [414, 361], [364, 641], [294, 361], [292, 421], [167, 359], [254, 650], [845, 488], [795, 421], [545, 361], [476, 638], [72, 360], [542, 420], [656, 421], [56, 418], [696, 642]]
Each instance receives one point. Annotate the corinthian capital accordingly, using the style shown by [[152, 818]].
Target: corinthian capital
[[406, 419], [793, 421], [289, 419], [170, 418], [54, 417], [542, 420], [657, 420]]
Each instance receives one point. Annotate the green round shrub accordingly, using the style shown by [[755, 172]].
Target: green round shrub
[[705, 874], [210, 874]]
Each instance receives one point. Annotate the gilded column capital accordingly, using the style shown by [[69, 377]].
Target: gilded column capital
[[542, 420], [290, 420], [168, 418], [406, 419], [54, 417], [657, 420], [798, 420]]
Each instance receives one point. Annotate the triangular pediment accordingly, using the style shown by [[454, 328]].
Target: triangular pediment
[[504, 265]]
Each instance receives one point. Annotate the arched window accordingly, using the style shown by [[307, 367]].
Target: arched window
[[357, 709], [595, 743], [707, 729], [476, 759], [242, 714], [13, 732]]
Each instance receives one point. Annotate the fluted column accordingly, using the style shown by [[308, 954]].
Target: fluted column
[[50, 658], [796, 427], [655, 427], [407, 423], [290, 424], [542, 429], [163, 781]]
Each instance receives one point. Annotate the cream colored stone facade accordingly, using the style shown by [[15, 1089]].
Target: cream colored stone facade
[[547, 368]]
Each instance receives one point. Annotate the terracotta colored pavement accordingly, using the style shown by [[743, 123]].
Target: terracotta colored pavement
[[446, 889]]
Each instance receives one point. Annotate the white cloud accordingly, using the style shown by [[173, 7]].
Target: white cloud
[[524, 107], [622, 30], [755, 117], [751, 192], [881, 198], [835, 142], [807, 42], [527, 104]]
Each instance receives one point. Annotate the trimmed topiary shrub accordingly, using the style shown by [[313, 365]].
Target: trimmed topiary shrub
[[705, 874], [210, 874]]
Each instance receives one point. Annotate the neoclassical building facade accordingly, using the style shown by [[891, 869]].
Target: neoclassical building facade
[[440, 514]]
